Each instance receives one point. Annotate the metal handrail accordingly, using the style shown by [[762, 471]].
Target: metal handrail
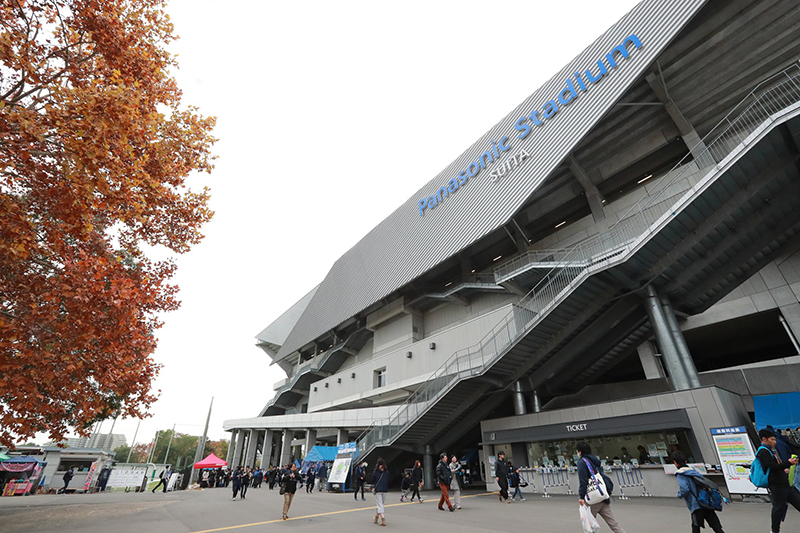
[[754, 111]]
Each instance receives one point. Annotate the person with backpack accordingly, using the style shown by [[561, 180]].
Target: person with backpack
[[589, 466], [777, 472], [690, 488], [514, 483]]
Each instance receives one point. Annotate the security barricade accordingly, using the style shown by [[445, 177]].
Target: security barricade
[[629, 476], [528, 479], [554, 476]]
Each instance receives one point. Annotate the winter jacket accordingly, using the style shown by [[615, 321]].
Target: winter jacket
[[686, 487], [416, 475], [323, 472], [583, 475], [406, 483], [501, 471], [443, 473], [777, 476], [290, 481], [380, 480]]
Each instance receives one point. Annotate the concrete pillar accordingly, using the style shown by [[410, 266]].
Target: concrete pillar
[[266, 449], [790, 315], [680, 343], [672, 359], [286, 449], [342, 437], [650, 363], [229, 456], [311, 440], [427, 468], [519, 399], [535, 402], [276, 447], [236, 460], [252, 442]]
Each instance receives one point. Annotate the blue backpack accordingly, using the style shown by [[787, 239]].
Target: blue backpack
[[707, 493], [758, 475]]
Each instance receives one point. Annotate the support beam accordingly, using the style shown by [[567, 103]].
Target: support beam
[[252, 441], [342, 437], [593, 195], [311, 440], [790, 319], [693, 141], [536, 403], [514, 288], [286, 448], [680, 342], [650, 363], [236, 460], [677, 376], [229, 456], [427, 468], [266, 449], [519, 399]]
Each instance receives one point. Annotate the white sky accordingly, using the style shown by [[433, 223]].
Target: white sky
[[330, 115]]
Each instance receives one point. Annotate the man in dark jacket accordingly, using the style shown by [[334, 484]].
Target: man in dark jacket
[[290, 479], [602, 508], [778, 476], [359, 478], [68, 475], [322, 475], [272, 477], [443, 477], [501, 475]]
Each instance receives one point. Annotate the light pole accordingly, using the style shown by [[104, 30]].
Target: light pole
[[134, 442], [169, 444]]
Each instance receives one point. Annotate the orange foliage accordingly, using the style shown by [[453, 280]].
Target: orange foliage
[[95, 149]]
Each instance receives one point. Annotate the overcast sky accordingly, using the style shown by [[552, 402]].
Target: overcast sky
[[329, 116]]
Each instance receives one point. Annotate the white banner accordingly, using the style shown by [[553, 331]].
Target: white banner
[[735, 450], [338, 473]]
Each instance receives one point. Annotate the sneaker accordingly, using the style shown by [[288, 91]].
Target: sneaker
[[451, 509], [234, 498], [508, 501], [363, 499], [421, 500], [458, 507], [441, 508], [522, 499]]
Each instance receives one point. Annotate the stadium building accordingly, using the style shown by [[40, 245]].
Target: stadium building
[[618, 260]]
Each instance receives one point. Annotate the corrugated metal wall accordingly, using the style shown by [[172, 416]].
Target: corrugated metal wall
[[405, 244]]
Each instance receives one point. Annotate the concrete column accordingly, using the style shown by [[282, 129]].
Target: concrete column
[[519, 399], [535, 402], [276, 447], [286, 449], [311, 440], [790, 315], [229, 457], [342, 437], [427, 468], [680, 342], [650, 363], [266, 449], [677, 376], [236, 460], [252, 442]]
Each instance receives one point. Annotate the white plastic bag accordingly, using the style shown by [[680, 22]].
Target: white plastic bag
[[588, 521]]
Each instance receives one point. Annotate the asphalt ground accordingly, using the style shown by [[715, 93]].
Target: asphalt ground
[[212, 510]]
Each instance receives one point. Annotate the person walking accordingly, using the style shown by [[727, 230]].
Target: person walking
[[687, 489], [443, 477], [456, 481], [312, 476], [289, 487], [501, 476], [514, 482], [380, 483], [590, 462], [782, 493], [272, 477], [163, 479], [359, 478], [416, 481], [405, 486], [322, 476], [204, 480], [68, 475], [236, 481], [245, 480]]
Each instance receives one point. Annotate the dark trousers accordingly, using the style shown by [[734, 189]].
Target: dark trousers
[[503, 489], [781, 498], [355, 494], [415, 490], [310, 486], [243, 489], [236, 487], [66, 484], [161, 482], [709, 516]]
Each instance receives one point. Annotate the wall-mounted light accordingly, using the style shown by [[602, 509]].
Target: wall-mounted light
[[408, 355], [315, 389], [353, 375], [432, 346], [326, 385], [338, 380]]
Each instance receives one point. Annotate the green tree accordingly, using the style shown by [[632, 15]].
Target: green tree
[[217, 447]]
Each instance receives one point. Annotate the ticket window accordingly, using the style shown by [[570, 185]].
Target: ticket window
[[645, 448]]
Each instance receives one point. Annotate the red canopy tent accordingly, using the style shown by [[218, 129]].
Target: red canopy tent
[[212, 461]]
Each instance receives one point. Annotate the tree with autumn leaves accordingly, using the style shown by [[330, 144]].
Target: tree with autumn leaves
[[95, 151]]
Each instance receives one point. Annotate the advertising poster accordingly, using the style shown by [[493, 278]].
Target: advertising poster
[[89, 477], [338, 473], [735, 453]]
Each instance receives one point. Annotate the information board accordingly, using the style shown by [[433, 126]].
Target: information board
[[338, 473], [735, 453]]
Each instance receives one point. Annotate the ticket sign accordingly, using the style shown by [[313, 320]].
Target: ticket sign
[[735, 453]]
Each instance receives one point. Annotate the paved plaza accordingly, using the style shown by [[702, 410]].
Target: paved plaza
[[212, 510]]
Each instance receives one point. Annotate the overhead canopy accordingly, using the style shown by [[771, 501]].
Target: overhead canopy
[[777, 410], [212, 461], [321, 453], [23, 463]]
